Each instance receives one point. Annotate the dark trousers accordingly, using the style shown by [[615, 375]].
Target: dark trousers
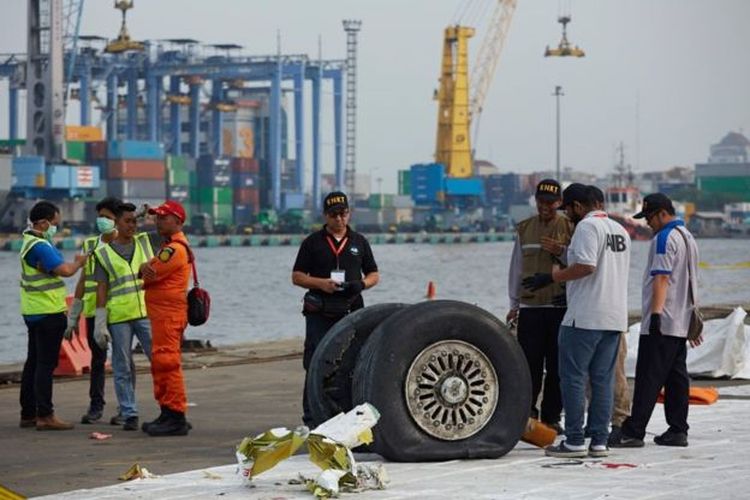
[[661, 363], [98, 361], [538, 329], [316, 327], [45, 337]]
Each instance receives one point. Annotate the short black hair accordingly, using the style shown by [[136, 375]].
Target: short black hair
[[124, 207], [43, 210], [110, 203], [594, 195]]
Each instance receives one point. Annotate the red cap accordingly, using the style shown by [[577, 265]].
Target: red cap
[[170, 207]]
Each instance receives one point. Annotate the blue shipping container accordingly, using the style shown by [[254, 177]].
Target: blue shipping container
[[244, 180], [291, 201], [464, 187], [28, 172], [72, 177], [214, 171], [243, 214], [427, 183], [135, 150], [58, 177]]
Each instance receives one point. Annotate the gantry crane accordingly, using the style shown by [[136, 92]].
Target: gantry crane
[[460, 100]]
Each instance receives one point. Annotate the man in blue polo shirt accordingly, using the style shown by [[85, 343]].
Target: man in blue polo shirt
[[43, 308], [670, 274]]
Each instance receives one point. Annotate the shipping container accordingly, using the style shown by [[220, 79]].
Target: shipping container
[[178, 193], [380, 200], [83, 133], [72, 177], [96, 151], [222, 213], [427, 183], [250, 165], [292, 200], [404, 182], [243, 214], [471, 186], [247, 196], [213, 195], [135, 150], [136, 169], [242, 180], [28, 172], [75, 150], [734, 185], [6, 169], [214, 171], [58, 177], [136, 188]]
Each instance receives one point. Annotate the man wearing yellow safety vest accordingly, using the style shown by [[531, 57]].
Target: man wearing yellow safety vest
[[121, 307], [84, 301], [43, 308]]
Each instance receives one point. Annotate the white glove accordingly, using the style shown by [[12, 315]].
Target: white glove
[[74, 314], [101, 332]]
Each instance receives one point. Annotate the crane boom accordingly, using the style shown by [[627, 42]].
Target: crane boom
[[489, 54]]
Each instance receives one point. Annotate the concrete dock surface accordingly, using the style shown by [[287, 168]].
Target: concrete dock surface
[[228, 402]]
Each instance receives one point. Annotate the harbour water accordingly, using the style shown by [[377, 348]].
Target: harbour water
[[253, 298]]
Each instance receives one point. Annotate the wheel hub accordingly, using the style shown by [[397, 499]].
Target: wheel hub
[[451, 390]]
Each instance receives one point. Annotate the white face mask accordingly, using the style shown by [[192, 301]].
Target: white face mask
[[50, 232]]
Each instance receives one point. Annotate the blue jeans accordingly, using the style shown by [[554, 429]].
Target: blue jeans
[[587, 356], [122, 360]]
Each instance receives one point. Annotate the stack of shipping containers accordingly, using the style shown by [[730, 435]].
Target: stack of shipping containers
[[246, 194], [428, 184], [180, 169], [212, 193], [136, 171]]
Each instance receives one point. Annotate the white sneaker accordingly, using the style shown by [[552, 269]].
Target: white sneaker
[[598, 451]]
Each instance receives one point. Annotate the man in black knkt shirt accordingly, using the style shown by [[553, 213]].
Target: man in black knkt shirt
[[335, 265]]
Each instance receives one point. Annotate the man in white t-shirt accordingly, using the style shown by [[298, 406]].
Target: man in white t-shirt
[[667, 306], [597, 285]]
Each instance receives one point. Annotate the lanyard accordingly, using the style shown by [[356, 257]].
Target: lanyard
[[337, 251]]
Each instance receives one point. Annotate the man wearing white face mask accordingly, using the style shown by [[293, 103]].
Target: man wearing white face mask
[[43, 309], [84, 301]]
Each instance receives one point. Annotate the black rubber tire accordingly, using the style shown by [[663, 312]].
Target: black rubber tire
[[329, 377], [380, 375]]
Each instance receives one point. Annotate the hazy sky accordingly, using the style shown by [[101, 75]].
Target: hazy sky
[[680, 65]]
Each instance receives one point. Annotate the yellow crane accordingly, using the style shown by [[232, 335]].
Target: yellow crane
[[460, 99]]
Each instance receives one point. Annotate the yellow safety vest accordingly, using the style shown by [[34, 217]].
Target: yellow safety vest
[[536, 260], [89, 293], [41, 293], [126, 300]]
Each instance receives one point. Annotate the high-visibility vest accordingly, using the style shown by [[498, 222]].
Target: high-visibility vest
[[89, 293], [126, 299], [41, 292]]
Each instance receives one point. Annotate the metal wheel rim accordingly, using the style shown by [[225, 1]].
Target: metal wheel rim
[[451, 390]]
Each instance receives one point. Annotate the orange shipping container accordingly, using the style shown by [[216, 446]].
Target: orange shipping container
[[83, 133], [136, 169]]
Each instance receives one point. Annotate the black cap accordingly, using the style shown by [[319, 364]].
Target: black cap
[[653, 203], [548, 189], [575, 192], [335, 201]]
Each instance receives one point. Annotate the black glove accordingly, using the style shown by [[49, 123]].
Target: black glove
[[352, 288], [654, 326], [560, 300], [536, 282]]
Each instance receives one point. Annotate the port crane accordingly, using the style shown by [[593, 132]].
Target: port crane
[[460, 98]]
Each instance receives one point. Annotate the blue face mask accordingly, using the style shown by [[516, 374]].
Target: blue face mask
[[50, 232], [105, 225]]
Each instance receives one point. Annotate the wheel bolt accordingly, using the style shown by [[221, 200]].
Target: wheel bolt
[[435, 423], [484, 400], [480, 411], [486, 387]]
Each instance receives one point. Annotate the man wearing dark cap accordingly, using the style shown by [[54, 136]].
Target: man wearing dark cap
[[669, 293], [335, 265], [540, 312], [598, 261], [165, 280]]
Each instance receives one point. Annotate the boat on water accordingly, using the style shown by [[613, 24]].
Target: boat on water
[[622, 199]]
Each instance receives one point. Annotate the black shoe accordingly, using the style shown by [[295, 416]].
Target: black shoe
[[131, 424], [614, 435], [670, 438], [91, 416], [117, 420], [157, 420], [563, 451], [173, 425], [623, 441]]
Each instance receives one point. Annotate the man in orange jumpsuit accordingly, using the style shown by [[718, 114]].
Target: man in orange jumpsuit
[[165, 280]]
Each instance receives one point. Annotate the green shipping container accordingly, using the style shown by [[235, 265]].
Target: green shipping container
[[177, 172], [220, 212], [214, 195], [75, 150], [734, 185], [404, 182], [381, 200], [12, 143]]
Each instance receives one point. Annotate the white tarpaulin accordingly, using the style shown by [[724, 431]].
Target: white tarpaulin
[[725, 351]]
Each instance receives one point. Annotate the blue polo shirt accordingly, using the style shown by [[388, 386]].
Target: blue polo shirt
[[44, 257]]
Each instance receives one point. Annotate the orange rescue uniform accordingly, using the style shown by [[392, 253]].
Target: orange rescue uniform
[[166, 302]]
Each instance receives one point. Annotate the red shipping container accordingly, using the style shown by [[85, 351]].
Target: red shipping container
[[248, 165], [247, 196], [96, 150], [136, 169]]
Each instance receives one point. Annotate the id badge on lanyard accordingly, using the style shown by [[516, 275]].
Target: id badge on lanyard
[[338, 275]]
